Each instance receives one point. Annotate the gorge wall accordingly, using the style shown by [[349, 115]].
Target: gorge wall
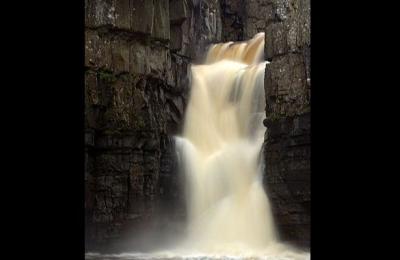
[[136, 84], [287, 144], [137, 56]]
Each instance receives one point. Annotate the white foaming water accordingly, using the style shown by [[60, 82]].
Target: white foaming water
[[229, 215], [228, 210]]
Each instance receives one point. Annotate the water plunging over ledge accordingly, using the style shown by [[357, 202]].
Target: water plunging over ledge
[[229, 216]]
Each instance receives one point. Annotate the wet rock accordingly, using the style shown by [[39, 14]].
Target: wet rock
[[287, 145], [258, 14], [243, 19], [287, 180], [138, 60], [120, 56], [290, 33], [286, 89], [100, 13], [123, 14], [142, 16], [234, 14], [97, 50], [178, 11], [176, 37], [161, 20], [158, 61]]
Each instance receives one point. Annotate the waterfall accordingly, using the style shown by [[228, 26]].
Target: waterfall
[[222, 138]]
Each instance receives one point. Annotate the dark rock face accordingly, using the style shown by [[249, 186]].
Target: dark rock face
[[242, 19], [194, 25], [136, 85], [258, 14], [287, 144], [233, 19]]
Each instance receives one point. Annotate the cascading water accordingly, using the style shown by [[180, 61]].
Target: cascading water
[[228, 209], [229, 216], [221, 143]]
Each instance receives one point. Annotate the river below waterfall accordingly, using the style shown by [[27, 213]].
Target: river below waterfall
[[288, 255]]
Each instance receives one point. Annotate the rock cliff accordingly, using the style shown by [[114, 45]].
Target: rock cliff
[[137, 56], [287, 90]]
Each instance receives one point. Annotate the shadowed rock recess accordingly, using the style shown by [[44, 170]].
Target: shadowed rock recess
[[137, 56]]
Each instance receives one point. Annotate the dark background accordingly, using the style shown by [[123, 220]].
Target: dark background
[[43, 104]]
